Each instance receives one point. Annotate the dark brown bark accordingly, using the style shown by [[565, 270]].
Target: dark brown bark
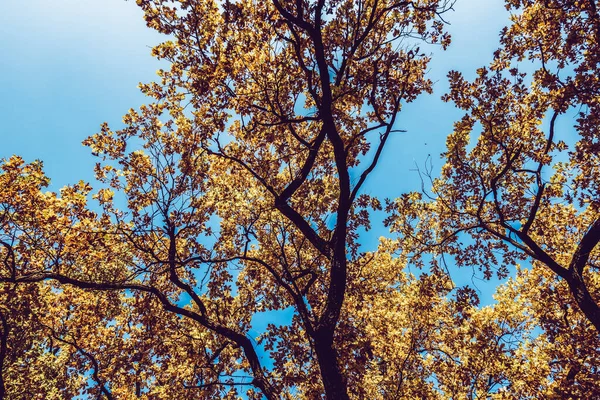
[[584, 299], [331, 376], [575, 279]]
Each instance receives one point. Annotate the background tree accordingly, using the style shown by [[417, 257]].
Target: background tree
[[527, 187]]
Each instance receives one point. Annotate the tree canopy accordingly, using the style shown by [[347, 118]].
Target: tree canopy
[[238, 191]]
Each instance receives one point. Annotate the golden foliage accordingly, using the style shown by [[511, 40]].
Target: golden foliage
[[236, 195]]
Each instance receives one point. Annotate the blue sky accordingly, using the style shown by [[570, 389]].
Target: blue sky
[[69, 65], [66, 66]]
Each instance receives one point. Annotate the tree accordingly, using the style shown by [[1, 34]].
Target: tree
[[238, 192], [286, 100], [499, 190], [527, 187]]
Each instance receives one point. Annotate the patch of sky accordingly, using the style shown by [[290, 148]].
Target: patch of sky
[[301, 107], [68, 66], [259, 324]]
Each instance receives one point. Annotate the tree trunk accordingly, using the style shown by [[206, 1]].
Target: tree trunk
[[584, 299], [333, 381]]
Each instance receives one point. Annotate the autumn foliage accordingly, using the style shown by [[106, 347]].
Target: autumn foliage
[[237, 193]]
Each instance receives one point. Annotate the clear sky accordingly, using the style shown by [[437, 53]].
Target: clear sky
[[68, 65]]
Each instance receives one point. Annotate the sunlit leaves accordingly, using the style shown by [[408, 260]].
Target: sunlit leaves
[[237, 192]]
